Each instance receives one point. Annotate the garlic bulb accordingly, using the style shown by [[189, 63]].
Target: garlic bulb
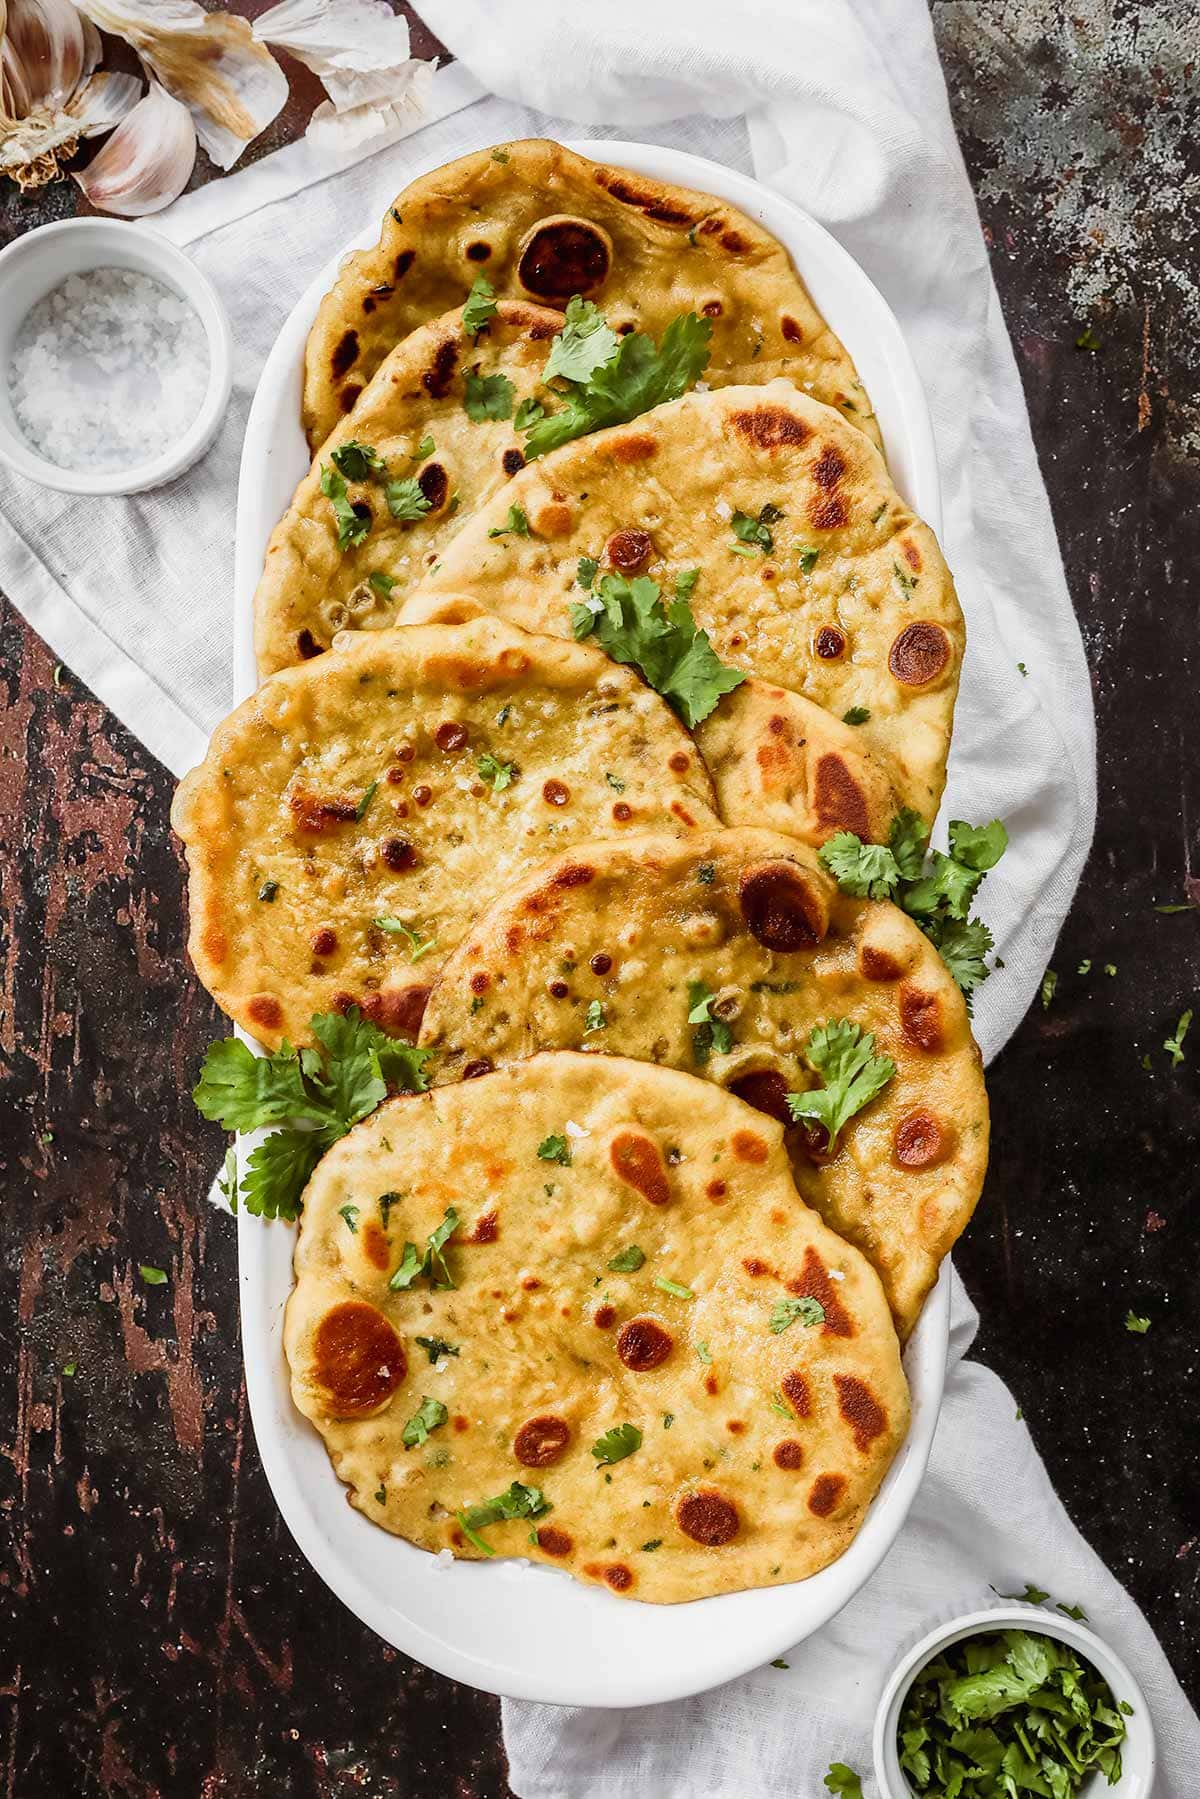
[[232, 86], [49, 97], [146, 162]]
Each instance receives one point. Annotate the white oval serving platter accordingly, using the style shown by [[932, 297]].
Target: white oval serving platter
[[509, 1627]]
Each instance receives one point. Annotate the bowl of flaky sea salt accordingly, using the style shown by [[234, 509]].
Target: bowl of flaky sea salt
[[115, 358]]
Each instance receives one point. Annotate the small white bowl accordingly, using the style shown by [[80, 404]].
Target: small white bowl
[[1137, 1751], [39, 261]]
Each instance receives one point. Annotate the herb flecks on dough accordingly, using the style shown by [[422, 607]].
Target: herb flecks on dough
[[555, 1148], [632, 377], [315, 1094], [786, 1311], [675, 657], [843, 1054]]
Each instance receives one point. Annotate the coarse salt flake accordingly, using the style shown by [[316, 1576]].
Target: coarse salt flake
[[108, 370]]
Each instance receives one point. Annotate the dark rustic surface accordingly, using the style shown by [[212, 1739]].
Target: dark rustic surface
[[159, 1634]]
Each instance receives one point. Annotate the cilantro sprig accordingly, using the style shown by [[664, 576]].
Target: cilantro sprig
[[608, 380], [939, 898], [1008, 1713], [843, 1054], [432, 1266], [519, 1501], [710, 1034], [480, 308], [316, 1094], [616, 1444], [353, 524], [674, 656], [431, 1416]]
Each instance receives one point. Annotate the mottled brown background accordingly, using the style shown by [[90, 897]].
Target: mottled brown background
[[159, 1634]]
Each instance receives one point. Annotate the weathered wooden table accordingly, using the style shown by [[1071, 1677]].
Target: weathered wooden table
[[159, 1634]]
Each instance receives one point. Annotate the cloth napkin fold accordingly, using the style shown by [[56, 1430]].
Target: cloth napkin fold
[[839, 103]]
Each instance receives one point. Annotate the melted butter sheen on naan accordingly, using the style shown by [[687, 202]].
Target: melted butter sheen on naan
[[543, 224], [406, 778], [760, 1450], [753, 917], [310, 589], [851, 607]]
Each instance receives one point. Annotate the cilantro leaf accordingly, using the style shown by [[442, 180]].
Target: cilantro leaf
[[350, 1214], [480, 308], [843, 1780], [1139, 1326], [358, 461], [710, 1033], [1031, 1596], [488, 397], [635, 378], [674, 656], [436, 1347], [844, 1055], [964, 947], [628, 1261], [519, 1501], [405, 499], [157, 1277], [755, 532], [584, 344], [432, 1265], [1049, 984], [595, 1020], [516, 525], [499, 774], [431, 1416], [616, 1444], [1174, 1044], [865, 870], [382, 584], [528, 413], [408, 1271], [330, 1087], [555, 1149], [857, 715], [352, 524], [810, 1311], [425, 448], [418, 944], [908, 840], [676, 1289]]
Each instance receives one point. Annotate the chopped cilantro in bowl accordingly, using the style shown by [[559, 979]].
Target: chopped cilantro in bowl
[[1008, 1702]]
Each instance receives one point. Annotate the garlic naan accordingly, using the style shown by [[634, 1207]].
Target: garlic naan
[[627, 1324]]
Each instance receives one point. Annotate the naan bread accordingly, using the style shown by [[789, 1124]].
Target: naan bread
[[310, 589], [350, 789], [625, 928], [543, 224], [760, 1449], [870, 622]]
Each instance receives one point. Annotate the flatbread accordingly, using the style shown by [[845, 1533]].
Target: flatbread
[[872, 627], [349, 790], [628, 926], [760, 1449], [544, 224], [310, 589]]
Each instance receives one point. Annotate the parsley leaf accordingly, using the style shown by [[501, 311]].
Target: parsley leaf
[[628, 1261], [488, 397], [675, 657], [435, 1347], [328, 1088], [516, 525], [358, 461], [519, 1501], [616, 1444], [352, 525], [431, 1416], [499, 774], [584, 344], [842, 1780], [480, 308], [635, 377], [844, 1055], [786, 1311], [1174, 1044], [710, 1033], [405, 499], [555, 1149]]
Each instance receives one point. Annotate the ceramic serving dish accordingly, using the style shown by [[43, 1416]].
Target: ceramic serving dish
[[508, 1627]]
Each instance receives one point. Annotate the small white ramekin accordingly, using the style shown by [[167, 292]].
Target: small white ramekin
[[37, 262], [1137, 1752]]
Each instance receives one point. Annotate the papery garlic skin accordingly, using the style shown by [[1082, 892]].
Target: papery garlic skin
[[49, 98], [232, 86], [358, 48], [146, 162], [346, 131]]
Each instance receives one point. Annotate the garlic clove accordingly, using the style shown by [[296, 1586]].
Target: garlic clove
[[232, 86], [103, 101], [146, 162], [358, 48], [48, 50]]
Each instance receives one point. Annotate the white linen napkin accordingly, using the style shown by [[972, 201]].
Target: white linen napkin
[[840, 103]]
